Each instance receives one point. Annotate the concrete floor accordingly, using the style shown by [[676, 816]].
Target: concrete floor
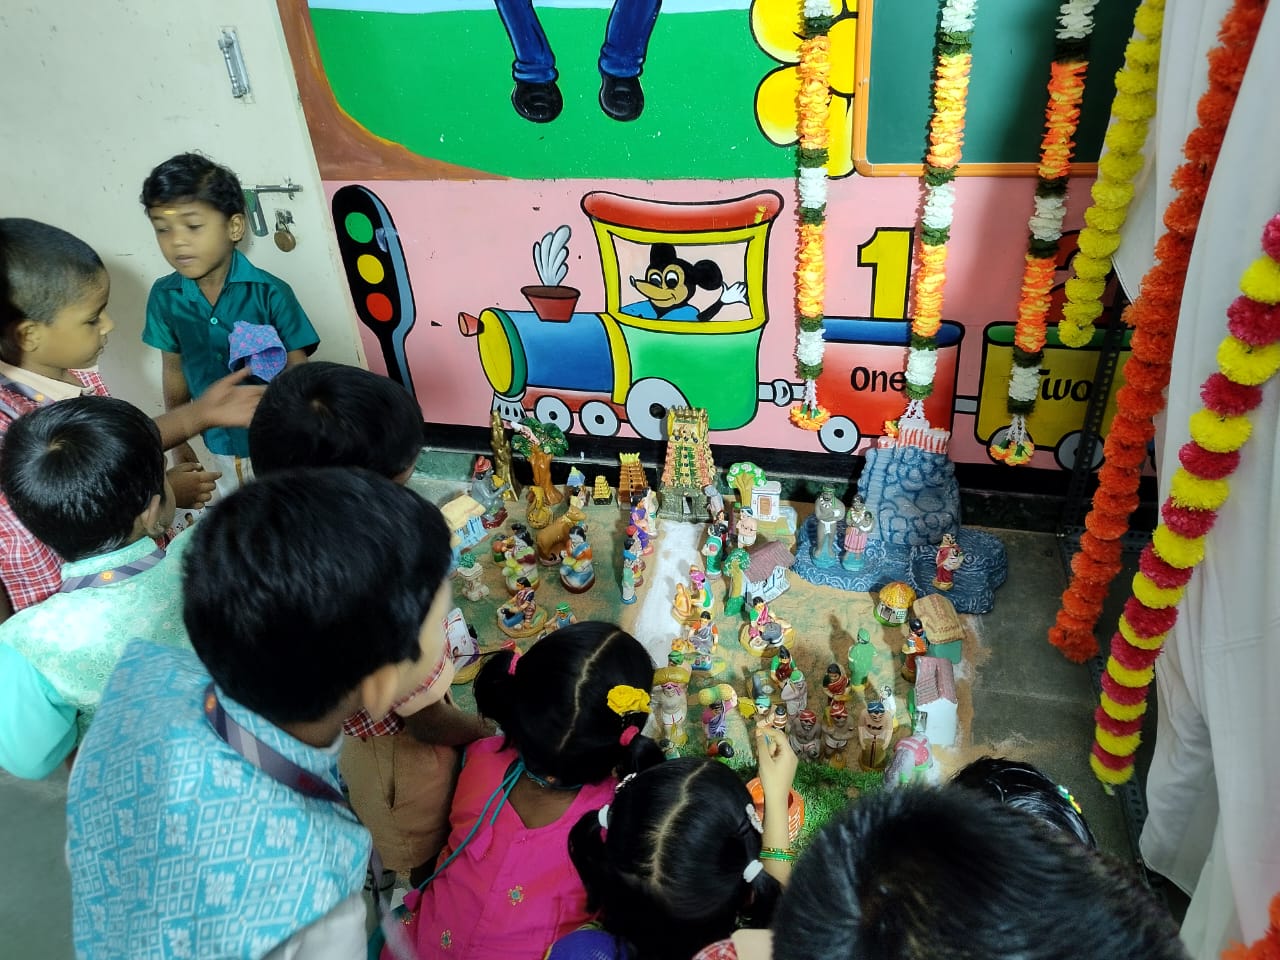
[[1028, 702]]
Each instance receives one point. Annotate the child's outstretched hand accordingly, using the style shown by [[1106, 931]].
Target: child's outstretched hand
[[193, 485], [228, 402], [777, 763]]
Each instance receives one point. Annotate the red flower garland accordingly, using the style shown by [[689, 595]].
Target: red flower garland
[[1188, 515], [1154, 315]]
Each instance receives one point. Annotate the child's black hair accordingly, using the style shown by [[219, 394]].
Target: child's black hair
[[554, 706], [79, 472], [324, 414], [928, 874], [302, 583], [42, 270], [193, 176], [1020, 785], [667, 873]]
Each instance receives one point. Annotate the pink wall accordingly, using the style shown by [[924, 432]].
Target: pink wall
[[467, 246]]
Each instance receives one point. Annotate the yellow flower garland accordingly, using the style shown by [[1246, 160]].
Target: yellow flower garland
[[1133, 106]]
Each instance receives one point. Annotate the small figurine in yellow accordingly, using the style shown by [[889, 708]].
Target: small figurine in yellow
[[671, 700]]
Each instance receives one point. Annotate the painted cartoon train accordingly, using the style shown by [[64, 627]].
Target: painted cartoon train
[[688, 333]]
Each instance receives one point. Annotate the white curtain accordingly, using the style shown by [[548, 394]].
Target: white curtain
[[1214, 787]]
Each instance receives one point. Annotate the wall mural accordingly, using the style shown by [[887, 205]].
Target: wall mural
[[593, 204]]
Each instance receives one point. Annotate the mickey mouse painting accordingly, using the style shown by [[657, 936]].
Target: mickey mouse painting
[[670, 283]]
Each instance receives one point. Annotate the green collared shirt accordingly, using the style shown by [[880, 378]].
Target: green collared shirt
[[180, 320], [58, 654]]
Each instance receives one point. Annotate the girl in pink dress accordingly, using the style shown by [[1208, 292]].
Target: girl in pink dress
[[680, 856], [571, 709]]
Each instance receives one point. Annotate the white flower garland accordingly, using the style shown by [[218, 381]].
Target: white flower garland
[[810, 346], [921, 365], [957, 16], [812, 185], [1046, 221], [1076, 19], [1024, 383], [939, 203]]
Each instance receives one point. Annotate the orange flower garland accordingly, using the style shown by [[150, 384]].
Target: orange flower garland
[[954, 40], [1154, 315], [813, 104], [1247, 358], [1062, 115], [1266, 948]]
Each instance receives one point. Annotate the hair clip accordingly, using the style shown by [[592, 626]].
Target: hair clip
[[511, 667], [753, 818], [628, 735], [602, 815], [623, 782], [1066, 795], [752, 870], [623, 700]]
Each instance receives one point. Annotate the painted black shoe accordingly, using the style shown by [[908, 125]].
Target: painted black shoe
[[537, 102], [621, 97]]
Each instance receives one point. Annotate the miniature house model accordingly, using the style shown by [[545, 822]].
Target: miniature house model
[[935, 696], [631, 478], [689, 469], [941, 625], [767, 575], [463, 514], [894, 602]]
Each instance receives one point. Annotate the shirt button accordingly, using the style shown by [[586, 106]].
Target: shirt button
[[214, 321]]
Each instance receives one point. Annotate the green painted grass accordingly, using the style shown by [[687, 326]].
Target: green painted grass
[[440, 84]]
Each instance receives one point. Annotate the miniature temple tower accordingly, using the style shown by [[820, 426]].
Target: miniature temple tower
[[689, 468]]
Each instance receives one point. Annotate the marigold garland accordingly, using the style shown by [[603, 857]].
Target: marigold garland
[[954, 40], [813, 104], [1154, 315], [1267, 947], [1062, 116], [1167, 562], [1133, 106]]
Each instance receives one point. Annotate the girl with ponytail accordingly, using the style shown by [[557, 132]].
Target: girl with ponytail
[[570, 711], [678, 859]]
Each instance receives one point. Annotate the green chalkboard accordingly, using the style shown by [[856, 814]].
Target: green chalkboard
[[1012, 49]]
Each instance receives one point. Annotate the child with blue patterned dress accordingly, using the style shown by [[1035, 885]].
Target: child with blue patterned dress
[[215, 298], [205, 816], [85, 475]]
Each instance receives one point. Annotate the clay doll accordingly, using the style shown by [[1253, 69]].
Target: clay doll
[[779, 719], [875, 731], [762, 629], [671, 700], [704, 640], [828, 512], [552, 539], [628, 578], [519, 558], [715, 719], [748, 527], [576, 496], [795, 692], [538, 515], [715, 503], [836, 734], [487, 491], [564, 616], [577, 572], [858, 523], [781, 666], [805, 735], [912, 760], [915, 646], [631, 554], [948, 560], [472, 575], [713, 549], [651, 511], [862, 656], [521, 616], [835, 685], [640, 520]]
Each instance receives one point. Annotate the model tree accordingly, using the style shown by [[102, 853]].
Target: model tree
[[540, 443], [743, 477]]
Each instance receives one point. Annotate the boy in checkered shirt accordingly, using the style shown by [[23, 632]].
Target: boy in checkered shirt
[[53, 328]]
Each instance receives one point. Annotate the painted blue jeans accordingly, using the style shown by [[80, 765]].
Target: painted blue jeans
[[626, 39]]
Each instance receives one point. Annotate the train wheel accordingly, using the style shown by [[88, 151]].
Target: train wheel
[[554, 410], [648, 403], [598, 418], [1065, 454], [839, 435]]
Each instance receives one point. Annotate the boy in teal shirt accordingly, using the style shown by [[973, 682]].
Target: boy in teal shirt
[[214, 296], [86, 476]]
